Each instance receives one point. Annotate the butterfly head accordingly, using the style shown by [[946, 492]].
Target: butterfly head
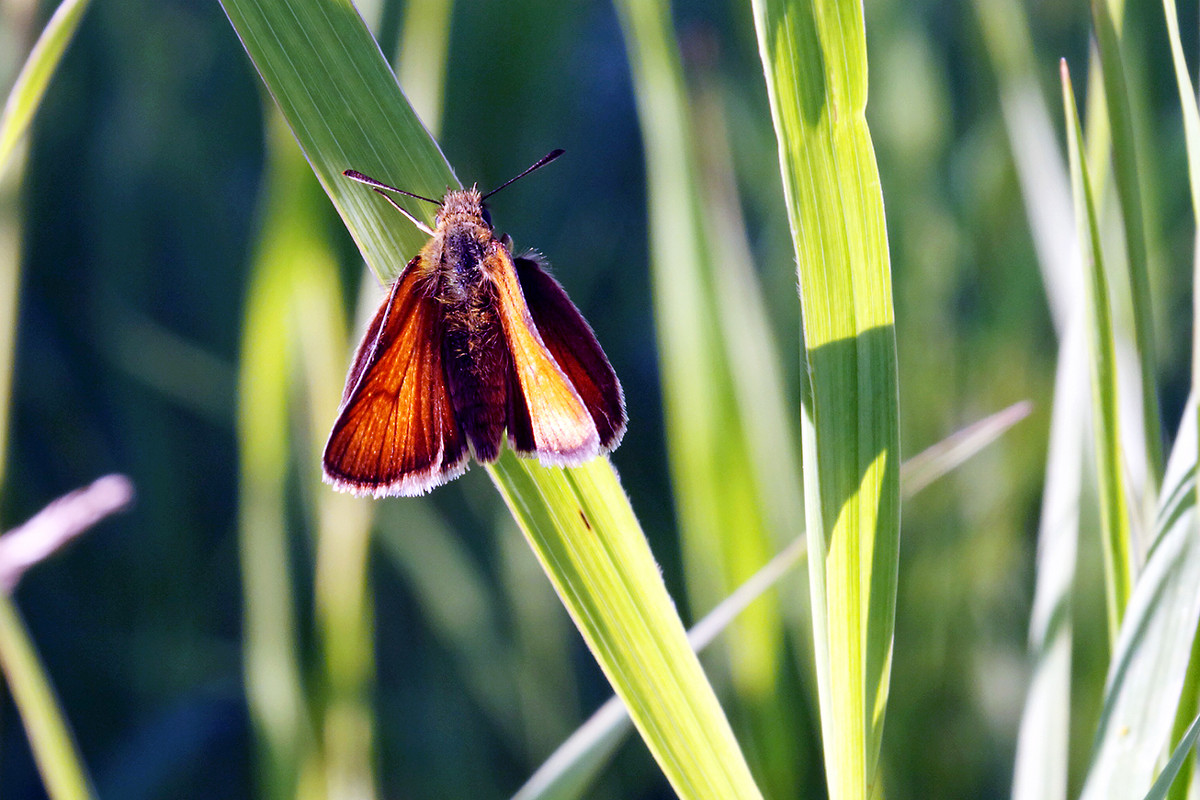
[[463, 206]]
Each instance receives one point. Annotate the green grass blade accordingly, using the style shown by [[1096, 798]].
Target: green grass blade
[[35, 75], [1154, 647], [814, 57], [591, 545], [1129, 194], [336, 92], [50, 739], [1114, 514]]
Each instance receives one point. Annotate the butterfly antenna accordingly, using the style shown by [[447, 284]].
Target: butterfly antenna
[[355, 175], [543, 161]]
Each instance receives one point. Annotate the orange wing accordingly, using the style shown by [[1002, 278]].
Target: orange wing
[[570, 340], [563, 431], [395, 433]]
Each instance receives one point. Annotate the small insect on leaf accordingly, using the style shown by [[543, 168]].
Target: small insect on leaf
[[471, 346]]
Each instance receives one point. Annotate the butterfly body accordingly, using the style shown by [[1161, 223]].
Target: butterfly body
[[471, 345]]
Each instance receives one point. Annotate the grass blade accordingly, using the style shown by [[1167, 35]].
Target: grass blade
[[274, 686], [814, 58], [50, 739], [1114, 514], [1042, 758], [26, 95]]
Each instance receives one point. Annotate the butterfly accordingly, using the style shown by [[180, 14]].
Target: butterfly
[[471, 346]]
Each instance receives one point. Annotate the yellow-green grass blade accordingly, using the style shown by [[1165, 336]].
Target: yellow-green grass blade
[[1125, 172], [50, 739], [22, 104], [346, 110], [1153, 649], [724, 523], [26, 95], [571, 768], [592, 547], [1110, 467], [814, 57]]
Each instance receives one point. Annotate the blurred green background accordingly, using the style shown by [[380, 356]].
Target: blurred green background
[[139, 214]]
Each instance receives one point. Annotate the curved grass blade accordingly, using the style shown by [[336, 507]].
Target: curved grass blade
[[344, 107], [27, 92], [50, 739], [814, 59]]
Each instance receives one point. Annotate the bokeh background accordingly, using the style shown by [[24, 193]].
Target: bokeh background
[[139, 210]]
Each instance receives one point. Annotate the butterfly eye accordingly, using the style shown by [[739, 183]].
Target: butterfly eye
[[487, 216]]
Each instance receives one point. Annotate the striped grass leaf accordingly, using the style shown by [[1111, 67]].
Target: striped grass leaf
[[814, 58], [1110, 466], [1154, 646], [346, 110]]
